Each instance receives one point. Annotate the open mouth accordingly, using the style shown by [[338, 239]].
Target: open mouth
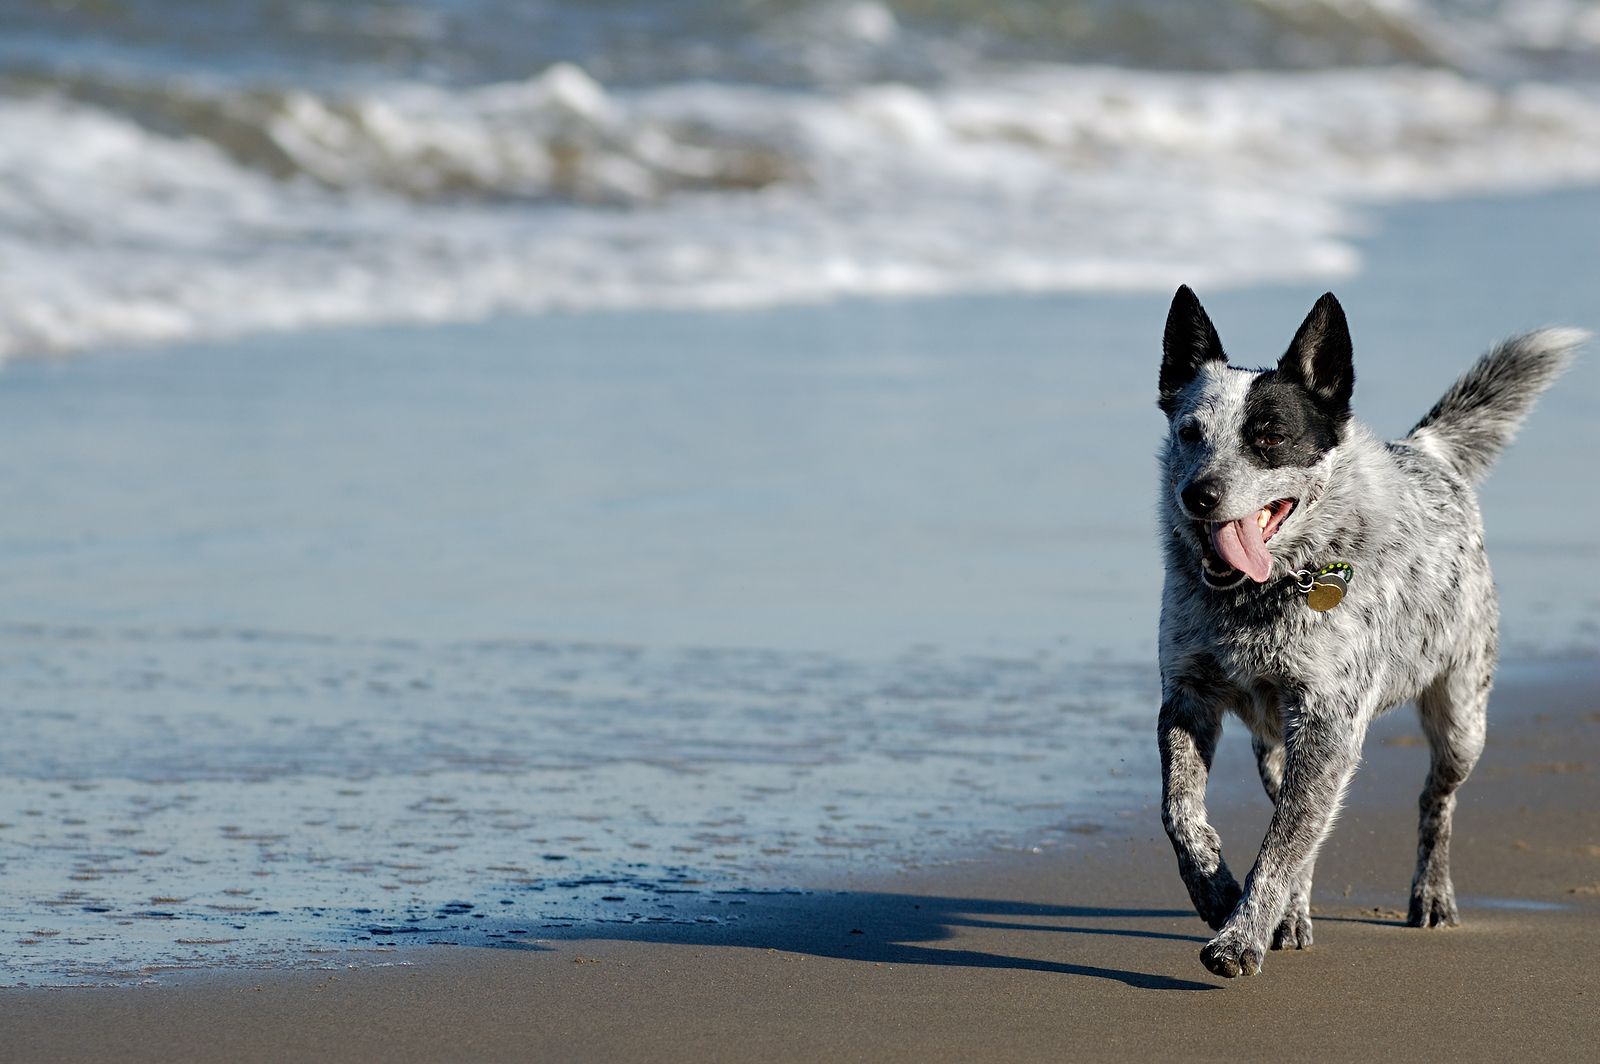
[[1233, 550]]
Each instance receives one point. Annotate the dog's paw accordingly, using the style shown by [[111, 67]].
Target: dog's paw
[[1215, 896], [1294, 932], [1433, 906], [1231, 954]]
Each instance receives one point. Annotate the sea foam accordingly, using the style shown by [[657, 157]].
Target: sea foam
[[134, 212]]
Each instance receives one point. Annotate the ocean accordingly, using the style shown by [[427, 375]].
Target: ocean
[[768, 502], [172, 171]]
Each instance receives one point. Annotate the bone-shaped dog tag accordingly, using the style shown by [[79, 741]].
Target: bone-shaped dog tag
[[1328, 586]]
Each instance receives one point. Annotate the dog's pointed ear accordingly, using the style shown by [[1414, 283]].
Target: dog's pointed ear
[[1189, 343], [1320, 358]]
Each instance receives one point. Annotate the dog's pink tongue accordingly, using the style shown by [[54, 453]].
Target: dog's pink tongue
[[1241, 546]]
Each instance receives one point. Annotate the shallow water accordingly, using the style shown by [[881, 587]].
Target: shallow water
[[314, 643], [208, 797]]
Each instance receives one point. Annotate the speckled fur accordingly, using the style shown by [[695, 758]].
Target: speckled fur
[[1419, 621]]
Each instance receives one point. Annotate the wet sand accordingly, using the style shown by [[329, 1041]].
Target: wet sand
[[1090, 953]]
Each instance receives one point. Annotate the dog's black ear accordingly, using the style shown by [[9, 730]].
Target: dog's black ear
[[1320, 358], [1189, 343]]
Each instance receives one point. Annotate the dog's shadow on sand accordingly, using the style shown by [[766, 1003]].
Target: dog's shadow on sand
[[874, 927]]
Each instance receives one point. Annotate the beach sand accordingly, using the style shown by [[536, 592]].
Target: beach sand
[[1090, 953]]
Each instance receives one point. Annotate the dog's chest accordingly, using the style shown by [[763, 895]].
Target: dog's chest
[[1261, 710], [1276, 639], [1289, 651]]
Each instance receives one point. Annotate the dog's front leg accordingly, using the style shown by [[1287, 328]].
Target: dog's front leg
[[1294, 932], [1188, 730], [1323, 746]]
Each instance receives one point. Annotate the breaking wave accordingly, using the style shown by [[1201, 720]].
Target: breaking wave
[[888, 154]]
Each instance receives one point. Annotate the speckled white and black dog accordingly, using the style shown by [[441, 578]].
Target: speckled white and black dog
[[1265, 480]]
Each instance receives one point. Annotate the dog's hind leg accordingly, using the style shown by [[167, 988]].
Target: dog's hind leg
[[1454, 712], [1294, 931], [1188, 729]]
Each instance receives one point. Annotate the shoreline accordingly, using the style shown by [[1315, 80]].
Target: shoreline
[[361, 478], [1054, 955]]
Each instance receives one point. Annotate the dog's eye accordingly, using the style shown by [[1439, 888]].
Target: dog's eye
[[1268, 440], [1189, 433]]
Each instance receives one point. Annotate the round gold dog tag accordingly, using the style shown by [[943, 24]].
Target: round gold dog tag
[[1328, 586], [1325, 594]]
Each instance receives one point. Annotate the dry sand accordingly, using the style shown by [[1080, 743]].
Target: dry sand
[[1088, 954]]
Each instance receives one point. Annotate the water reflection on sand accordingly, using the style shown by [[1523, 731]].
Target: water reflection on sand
[[211, 797]]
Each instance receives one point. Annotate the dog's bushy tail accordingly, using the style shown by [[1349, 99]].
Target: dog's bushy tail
[[1482, 411]]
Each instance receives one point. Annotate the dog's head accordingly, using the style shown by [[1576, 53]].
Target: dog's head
[[1246, 455]]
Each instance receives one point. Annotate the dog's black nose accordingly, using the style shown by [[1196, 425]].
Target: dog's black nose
[[1201, 497]]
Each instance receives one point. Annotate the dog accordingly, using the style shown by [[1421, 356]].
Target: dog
[[1315, 578]]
